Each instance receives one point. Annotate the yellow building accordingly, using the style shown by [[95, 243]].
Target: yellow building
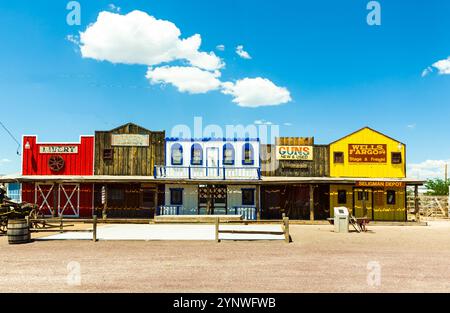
[[368, 154]]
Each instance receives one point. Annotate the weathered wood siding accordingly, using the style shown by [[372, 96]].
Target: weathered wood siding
[[318, 167], [133, 161]]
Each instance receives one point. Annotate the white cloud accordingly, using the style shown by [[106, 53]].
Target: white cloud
[[427, 169], [138, 38], [114, 8], [255, 92], [443, 66], [186, 79], [4, 161], [242, 53], [411, 126], [287, 124], [262, 122], [220, 47]]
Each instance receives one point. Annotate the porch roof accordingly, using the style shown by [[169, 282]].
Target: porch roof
[[150, 179]]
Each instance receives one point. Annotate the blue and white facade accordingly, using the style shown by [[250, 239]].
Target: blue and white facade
[[210, 176]]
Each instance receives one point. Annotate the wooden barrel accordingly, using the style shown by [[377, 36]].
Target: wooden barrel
[[18, 231]]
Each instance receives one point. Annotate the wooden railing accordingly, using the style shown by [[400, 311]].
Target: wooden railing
[[53, 225], [201, 172]]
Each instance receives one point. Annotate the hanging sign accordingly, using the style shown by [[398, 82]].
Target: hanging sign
[[133, 140], [299, 153], [58, 149], [367, 153]]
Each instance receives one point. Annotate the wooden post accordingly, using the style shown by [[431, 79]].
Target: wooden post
[[311, 202], [258, 202], [61, 224], [156, 201], [94, 228], [217, 230], [286, 229], [416, 203]]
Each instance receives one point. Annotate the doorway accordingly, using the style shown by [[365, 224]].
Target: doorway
[[212, 162], [363, 202], [212, 199]]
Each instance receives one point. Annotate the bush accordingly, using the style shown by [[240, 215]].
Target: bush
[[437, 187]]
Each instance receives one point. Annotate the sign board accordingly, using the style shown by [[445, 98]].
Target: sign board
[[367, 153], [295, 153], [130, 140], [384, 184], [58, 149]]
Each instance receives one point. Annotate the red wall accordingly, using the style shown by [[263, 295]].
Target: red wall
[[36, 163], [86, 195]]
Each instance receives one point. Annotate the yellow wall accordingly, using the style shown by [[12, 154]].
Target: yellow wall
[[381, 210], [369, 170]]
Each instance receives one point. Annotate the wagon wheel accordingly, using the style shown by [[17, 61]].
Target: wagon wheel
[[56, 163], [35, 214]]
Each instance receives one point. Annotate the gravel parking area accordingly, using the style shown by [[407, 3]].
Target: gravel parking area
[[408, 258]]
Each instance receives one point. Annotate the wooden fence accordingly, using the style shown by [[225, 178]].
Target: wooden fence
[[430, 206], [56, 225]]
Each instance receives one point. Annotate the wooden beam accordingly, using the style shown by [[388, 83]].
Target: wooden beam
[[311, 202], [416, 203], [258, 202]]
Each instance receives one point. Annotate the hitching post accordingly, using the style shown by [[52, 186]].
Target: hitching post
[[94, 228], [217, 230], [286, 229]]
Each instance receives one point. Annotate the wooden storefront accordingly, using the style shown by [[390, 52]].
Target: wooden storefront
[[128, 150]]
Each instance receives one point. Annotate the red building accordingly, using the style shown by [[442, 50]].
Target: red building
[[47, 165]]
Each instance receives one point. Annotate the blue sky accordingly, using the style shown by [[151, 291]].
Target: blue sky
[[341, 73]]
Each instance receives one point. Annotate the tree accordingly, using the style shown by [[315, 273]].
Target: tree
[[437, 187]]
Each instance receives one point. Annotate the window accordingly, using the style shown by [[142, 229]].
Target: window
[[177, 154], [363, 196], [228, 154], [396, 157], [116, 194], [248, 157], [248, 196], [196, 154], [176, 196], [390, 196], [148, 198], [342, 197], [107, 154], [339, 157]]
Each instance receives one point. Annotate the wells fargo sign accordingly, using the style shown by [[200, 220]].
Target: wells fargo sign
[[367, 153], [134, 140], [294, 153], [385, 184], [58, 149]]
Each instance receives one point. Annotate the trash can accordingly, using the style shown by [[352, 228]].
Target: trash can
[[341, 217]]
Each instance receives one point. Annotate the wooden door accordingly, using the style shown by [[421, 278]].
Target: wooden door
[[363, 202]]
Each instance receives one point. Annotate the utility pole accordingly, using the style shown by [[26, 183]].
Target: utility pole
[[446, 172]]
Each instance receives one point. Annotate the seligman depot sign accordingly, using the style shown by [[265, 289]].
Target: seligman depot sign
[[363, 153], [304, 153]]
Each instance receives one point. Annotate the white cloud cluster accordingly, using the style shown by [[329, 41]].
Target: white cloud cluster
[[254, 92], [442, 66], [138, 38], [427, 169], [242, 53], [185, 79]]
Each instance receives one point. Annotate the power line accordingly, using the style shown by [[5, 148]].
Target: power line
[[12, 136]]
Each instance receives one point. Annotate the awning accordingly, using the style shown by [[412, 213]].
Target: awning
[[265, 180]]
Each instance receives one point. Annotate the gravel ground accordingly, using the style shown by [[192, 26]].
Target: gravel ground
[[410, 259]]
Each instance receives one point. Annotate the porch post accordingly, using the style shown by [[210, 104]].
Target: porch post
[[258, 202], [105, 204], [416, 203], [311, 202], [156, 201]]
